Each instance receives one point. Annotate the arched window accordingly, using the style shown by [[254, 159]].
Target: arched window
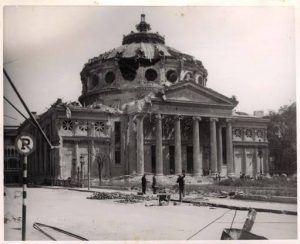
[[200, 80], [110, 77]]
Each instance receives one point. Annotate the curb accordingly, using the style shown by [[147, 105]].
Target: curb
[[266, 210], [278, 199]]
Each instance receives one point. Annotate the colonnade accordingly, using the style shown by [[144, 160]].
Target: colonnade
[[216, 148]]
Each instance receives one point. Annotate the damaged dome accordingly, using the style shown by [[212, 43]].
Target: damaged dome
[[143, 62]]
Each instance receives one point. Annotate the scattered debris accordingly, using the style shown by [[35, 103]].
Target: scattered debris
[[120, 197], [163, 203], [149, 204]]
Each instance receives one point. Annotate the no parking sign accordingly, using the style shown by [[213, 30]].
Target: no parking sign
[[25, 144]]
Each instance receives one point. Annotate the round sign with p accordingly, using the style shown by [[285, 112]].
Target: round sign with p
[[25, 144]]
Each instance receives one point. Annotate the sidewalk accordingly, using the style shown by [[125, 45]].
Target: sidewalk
[[259, 206], [280, 208]]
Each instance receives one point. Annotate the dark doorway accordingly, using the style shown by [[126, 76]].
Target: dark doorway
[[153, 159], [189, 159], [172, 159]]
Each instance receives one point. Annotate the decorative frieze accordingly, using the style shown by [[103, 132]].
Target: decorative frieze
[[249, 134], [70, 127]]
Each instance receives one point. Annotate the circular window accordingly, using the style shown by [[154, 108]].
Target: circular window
[[171, 76], [83, 126], [99, 126], [260, 133], [237, 132], [151, 74], [109, 77], [67, 125], [249, 133]]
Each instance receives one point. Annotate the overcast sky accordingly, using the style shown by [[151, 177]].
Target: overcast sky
[[249, 52]]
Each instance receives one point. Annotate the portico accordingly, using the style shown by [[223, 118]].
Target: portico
[[216, 148]]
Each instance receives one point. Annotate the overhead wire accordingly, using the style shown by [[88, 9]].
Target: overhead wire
[[7, 116], [11, 104], [27, 110]]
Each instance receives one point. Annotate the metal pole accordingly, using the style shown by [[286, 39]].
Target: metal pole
[[24, 198], [89, 160]]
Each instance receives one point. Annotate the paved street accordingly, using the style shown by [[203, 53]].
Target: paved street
[[108, 220]]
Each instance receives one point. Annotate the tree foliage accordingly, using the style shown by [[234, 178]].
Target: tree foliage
[[282, 139]]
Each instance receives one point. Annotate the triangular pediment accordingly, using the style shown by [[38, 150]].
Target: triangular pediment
[[193, 93]]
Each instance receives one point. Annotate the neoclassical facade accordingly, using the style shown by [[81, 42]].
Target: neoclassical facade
[[145, 108]]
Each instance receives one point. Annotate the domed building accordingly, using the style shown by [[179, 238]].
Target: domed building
[[145, 108]]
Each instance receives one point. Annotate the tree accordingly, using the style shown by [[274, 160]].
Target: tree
[[282, 139], [100, 160]]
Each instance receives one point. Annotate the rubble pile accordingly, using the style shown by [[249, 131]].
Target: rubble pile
[[120, 197]]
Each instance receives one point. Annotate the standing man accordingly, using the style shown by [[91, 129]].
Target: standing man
[[144, 184], [154, 184], [180, 181]]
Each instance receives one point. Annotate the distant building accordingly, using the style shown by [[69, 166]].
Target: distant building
[[146, 107], [258, 114], [12, 162]]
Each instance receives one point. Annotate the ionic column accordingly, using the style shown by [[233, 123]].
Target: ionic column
[[213, 145], [197, 160], [140, 145], [244, 161], [131, 145], [76, 157], [92, 154], [255, 170], [266, 162], [220, 148], [229, 149], [178, 161], [158, 147]]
